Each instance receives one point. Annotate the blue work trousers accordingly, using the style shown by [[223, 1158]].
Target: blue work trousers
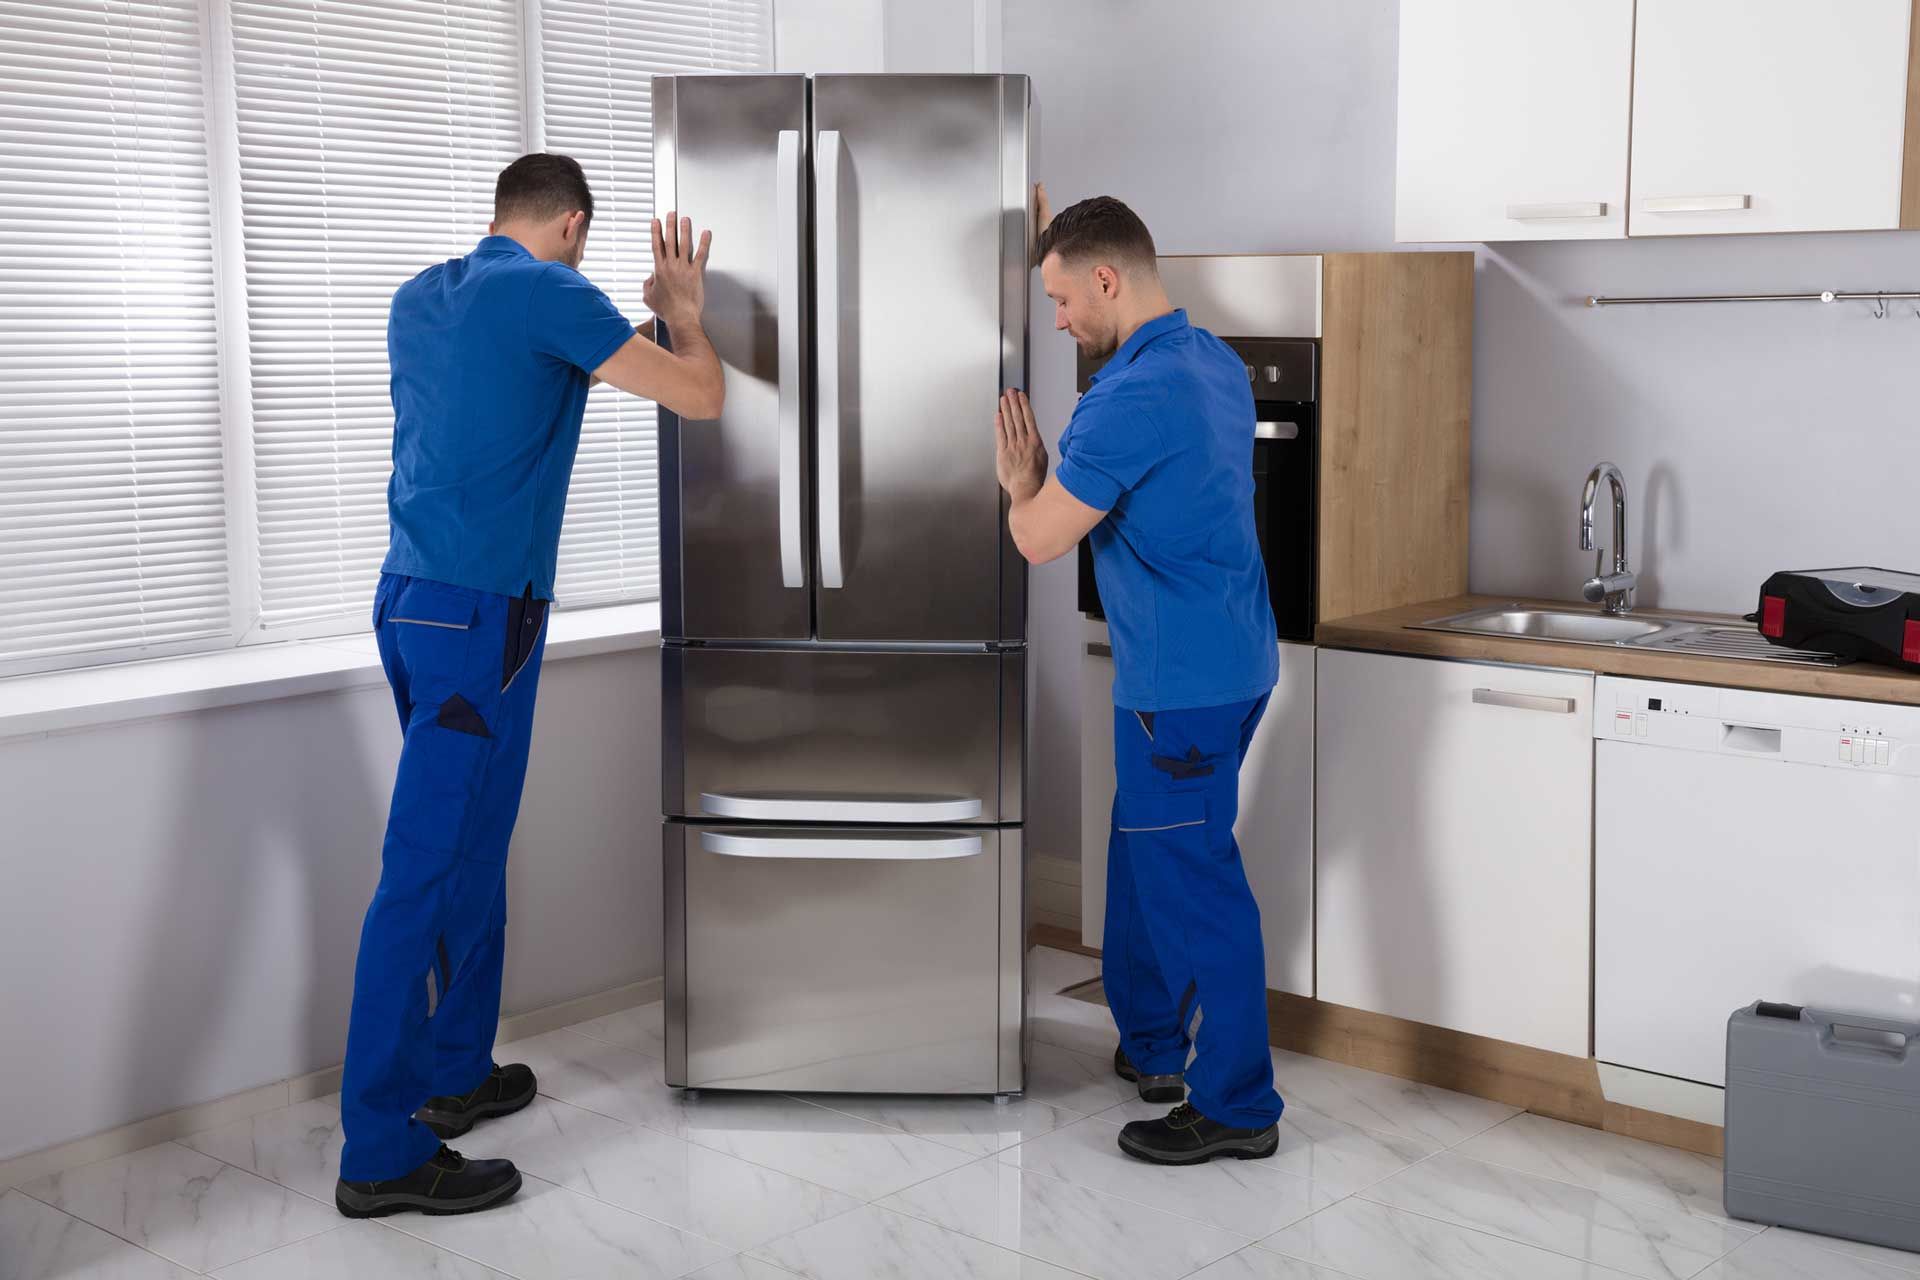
[[1182, 928], [464, 666]]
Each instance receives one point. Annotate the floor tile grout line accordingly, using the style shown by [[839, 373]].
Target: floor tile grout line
[[1627, 1193], [1729, 1223], [1077, 1116], [106, 1231], [1528, 1244], [1480, 1231], [1820, 1242], [176, 1142], [1110, 1195], [991, 1244]]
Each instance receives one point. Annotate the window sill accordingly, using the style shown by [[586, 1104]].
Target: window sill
[[55, 701]]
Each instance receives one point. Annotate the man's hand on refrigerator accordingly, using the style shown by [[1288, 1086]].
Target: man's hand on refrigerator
[[677, 289], [1020, 455], [1042, 208]]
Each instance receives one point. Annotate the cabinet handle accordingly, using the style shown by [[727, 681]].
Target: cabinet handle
[[1524, 701], [1097, 650], [1553, 212], [1695, 204]]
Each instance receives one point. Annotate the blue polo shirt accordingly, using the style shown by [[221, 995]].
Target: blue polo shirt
[[491, 356], [1163, 443]]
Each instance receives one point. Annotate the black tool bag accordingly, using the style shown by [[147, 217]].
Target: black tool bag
[[1866, 615]]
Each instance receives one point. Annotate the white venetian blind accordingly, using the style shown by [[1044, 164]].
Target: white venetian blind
[[371, 132], [598, 58], [112, 506]]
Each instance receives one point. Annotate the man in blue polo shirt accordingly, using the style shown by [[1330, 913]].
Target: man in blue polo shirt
[[1156, 467], [491, 358]]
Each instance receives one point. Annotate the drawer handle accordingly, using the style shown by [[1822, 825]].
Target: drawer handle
[[1524, 701], [1097, 650], [1556, 212], [829, 808], [842, 848], [1696, 204], [1276, 431]]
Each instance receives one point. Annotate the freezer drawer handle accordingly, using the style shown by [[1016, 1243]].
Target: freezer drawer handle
[[828, 308], [788, 226], [1524, 701], [840, 848], [773, 808]]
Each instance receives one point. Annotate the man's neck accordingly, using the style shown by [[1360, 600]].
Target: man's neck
[[530, 240], [1147, 314]]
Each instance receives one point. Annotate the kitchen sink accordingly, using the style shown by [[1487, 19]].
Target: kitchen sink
[[1551, 624], [1704, 637]]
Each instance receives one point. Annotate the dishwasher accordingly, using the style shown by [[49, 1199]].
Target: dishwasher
[[1748, 846]]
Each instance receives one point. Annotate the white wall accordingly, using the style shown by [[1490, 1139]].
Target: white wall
[[1752, 438], [183, 895]]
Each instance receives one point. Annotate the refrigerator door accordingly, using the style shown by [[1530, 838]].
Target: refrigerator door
[[731, 151], [921, 243], [830, 735], [865, 960]]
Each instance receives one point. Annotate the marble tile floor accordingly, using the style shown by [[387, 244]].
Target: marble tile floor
[[1376, 1179]]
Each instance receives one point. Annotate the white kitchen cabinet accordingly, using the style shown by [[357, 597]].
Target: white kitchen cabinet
[[1513, 119], [1453, 871], [1275, 827], [1768, 115]]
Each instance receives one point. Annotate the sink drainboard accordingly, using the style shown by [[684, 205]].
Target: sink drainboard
[[1734, 642]]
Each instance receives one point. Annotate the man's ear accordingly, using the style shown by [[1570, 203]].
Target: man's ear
[[1108, 279]]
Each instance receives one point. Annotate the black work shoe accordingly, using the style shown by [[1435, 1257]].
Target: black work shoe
[[504, 1091], [1187, 1137], [1152, 1088], [447, 1184]]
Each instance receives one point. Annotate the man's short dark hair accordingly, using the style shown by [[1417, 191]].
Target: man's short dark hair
[[1100, 230], [541, 186]]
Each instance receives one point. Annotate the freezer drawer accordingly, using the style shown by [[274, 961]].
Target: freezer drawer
[[851, 959], [773, 735]]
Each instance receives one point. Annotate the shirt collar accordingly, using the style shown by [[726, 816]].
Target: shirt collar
[[502, 244], [1143, 337]]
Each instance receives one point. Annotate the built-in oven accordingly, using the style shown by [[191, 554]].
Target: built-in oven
[[1284, 376]]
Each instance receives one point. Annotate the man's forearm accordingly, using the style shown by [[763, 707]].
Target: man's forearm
[[694, 350]]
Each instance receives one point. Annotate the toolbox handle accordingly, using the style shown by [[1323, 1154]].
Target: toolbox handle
[[1885, 1030]]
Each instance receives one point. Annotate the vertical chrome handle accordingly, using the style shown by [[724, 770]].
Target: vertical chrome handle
[[788, 226], [827, 154]]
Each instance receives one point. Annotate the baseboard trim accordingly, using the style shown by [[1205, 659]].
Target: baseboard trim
[[1060, 939], [1554, 1085], [248, 1103]]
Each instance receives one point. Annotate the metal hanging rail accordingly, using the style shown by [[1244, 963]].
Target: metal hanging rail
[[1829, 295]]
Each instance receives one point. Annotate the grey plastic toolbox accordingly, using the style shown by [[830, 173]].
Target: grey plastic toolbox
[[1823, 1123]]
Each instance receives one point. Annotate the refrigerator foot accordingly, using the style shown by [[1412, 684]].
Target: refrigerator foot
[[690, 1095], [1003, 1099]]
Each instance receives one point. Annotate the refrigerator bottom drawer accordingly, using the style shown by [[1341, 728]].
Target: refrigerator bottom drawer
[[853, 959]]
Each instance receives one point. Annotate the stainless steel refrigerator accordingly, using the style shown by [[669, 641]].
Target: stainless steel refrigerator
[[843, 680]]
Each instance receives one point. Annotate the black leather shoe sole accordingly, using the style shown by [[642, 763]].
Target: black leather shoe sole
[[1151, 1088], [359, 1204], [452, 1124], [1257, 1147]]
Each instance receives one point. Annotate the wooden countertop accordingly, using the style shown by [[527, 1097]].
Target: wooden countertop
[[1386, 632]]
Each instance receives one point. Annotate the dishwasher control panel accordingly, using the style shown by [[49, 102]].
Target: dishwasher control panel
[[1788, 727]]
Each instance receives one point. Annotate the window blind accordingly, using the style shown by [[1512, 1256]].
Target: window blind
[[370, 135], [112, 502], [597, 61]]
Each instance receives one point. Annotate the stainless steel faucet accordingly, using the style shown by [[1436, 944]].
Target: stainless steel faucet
[[1616, 589]]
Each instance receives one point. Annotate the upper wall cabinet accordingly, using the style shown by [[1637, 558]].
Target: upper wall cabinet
[[1516, 118], [1513, 119], [1768, 115]]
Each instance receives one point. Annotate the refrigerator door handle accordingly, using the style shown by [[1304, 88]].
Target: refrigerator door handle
[[842, 848], [829, 150], [841, 808], [790, 317]]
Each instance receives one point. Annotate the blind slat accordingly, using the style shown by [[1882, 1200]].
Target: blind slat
[[112, 499]]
